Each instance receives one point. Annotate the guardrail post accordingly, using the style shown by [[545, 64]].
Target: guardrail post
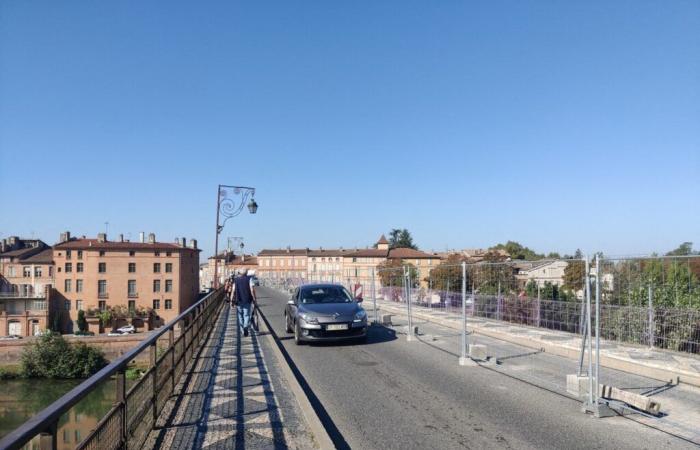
[[154, 393], [121, 400], [463, 350], [171, 345], [374, 298], [48, 439], [651, 317]]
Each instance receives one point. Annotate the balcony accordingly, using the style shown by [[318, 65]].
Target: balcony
[[102, 295], [133, 295]]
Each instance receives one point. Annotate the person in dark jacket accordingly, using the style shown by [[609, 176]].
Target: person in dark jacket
[[244, 298]]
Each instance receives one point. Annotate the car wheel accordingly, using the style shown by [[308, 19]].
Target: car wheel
[[287, 328], [297, 335]]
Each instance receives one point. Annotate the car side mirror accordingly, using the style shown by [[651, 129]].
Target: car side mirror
[[358, 299]]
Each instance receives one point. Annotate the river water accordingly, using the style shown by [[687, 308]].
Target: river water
[[21, 399]]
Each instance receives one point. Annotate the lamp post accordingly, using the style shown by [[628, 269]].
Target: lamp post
[[230, 201]]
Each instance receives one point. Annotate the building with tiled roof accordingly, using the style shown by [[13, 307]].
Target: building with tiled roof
[[229, 263], [147, 276]]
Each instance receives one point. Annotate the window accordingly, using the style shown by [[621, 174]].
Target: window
[[78, 286], [102, 267], [66, 305], [354, 260], [132, 305], [156, 267], [102, 252], [168, 303], [156, 303], [168, 253], [67, 286], [102, 305], [69, 267], [156, 253], [156, 285], [102, 288], [79, 267], [37, 271], [11, 271], [50, 271], [68, 254], [168, 285], [168, 267], [27, 271], [132, 288], [80, 254], [79, 305], [132, 267], [132, 253]]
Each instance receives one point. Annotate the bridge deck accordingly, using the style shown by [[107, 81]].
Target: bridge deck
[[225, 399]]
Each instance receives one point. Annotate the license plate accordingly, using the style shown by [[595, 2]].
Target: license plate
[[337, 326]]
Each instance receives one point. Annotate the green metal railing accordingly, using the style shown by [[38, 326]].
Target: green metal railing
[[136, 410]]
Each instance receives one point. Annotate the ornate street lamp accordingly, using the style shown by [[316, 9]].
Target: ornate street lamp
[[229, 203]]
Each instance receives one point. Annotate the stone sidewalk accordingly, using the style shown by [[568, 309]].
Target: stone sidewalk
[[652, 363], [229, 398]]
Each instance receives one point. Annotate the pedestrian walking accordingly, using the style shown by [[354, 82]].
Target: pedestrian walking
[[244, 298]]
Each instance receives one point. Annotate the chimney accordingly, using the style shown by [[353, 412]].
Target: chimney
[[142, 237], [151, 238], [184, 242], [121, 238], [193, 243], [289, 249], [65, 236], [101, 237], [177, 241]]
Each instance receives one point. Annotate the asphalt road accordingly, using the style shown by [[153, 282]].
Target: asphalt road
[[390, 393]]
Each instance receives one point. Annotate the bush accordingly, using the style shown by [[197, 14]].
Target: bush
[[134, 373], [51, 356]]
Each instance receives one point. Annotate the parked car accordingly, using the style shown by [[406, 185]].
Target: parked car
[[127, 329], [320, 312]]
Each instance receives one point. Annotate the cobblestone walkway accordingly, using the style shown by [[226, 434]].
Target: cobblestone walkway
[[226, 399]]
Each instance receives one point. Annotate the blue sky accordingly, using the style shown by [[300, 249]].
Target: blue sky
[[561, 125]]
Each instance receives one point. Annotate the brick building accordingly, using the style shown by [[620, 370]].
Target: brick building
[[98, 274]]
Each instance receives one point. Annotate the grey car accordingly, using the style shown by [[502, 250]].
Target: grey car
[[325, 312]]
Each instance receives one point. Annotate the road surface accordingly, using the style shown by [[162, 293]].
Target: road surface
[[391, 394]]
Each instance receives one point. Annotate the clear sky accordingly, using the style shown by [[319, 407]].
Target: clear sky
[[558, 124]]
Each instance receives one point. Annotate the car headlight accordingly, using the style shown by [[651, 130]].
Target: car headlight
[[360, 315], [308, 318]]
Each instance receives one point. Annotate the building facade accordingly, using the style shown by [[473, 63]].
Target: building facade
[[27, 300], [283, 263], [150, 277]]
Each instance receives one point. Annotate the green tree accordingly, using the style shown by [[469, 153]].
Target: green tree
[[685, 249], [401, 238], [51, 356], [518, 251], [448, 274], [573, 275], [391, 273]]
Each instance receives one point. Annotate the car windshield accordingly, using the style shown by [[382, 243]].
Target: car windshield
[[325, 294]]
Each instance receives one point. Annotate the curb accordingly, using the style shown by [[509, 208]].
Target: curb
[[320, 435], [612, 362]]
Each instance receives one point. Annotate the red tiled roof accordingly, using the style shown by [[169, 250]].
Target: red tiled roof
[[367, 253], [409, 253], [382, 240], [44, 257], [94, 244], [284, 252], [329, 252], [19, 253]]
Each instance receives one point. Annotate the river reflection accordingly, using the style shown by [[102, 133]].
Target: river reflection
[[21, 399]]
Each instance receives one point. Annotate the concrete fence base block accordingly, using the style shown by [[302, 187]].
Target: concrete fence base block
[[385, 319], [641, 402], [478, 352], [577, 385], [467, 362], [410, 337]]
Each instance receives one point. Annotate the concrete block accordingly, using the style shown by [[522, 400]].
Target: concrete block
[[467, 362], [641, 402], [576, 385], [478, 352], [385, 319]]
